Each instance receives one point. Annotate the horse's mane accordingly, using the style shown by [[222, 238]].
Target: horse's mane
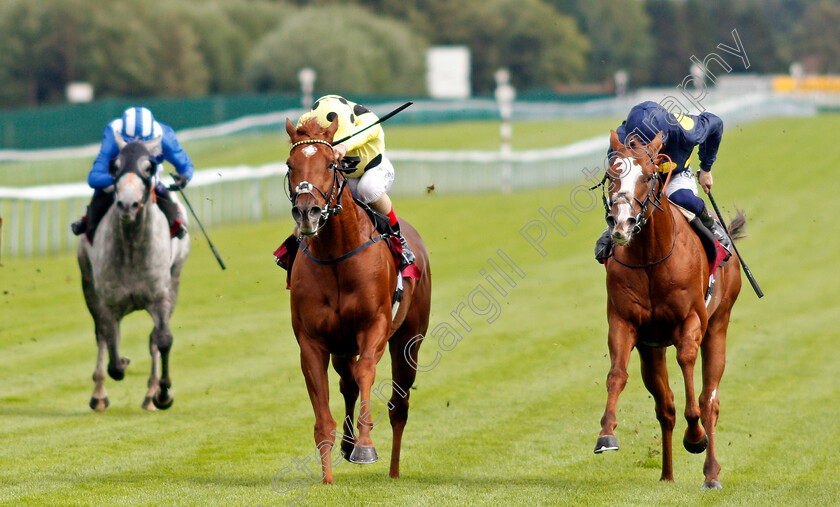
[[312, 129]]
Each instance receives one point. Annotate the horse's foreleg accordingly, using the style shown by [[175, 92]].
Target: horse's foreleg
[[160, 340], [714, 360], [99, 399], [344, 367], [313, 363], [622, 338], [154, 376], [688, 344], [403, 378], [655, 377], [373, 346]]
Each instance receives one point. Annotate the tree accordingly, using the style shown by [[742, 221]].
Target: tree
[[352, 51], [817, 36], [671, 46], [540, 46], [619, 32], [38, 49]]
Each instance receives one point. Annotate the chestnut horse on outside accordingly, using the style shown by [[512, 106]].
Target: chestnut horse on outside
[[341, 301], [656, 283]]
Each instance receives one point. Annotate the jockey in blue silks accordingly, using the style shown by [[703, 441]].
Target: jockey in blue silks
[[136, 124], [681, 134]]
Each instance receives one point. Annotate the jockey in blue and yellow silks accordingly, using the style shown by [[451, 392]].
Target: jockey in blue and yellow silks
[[136, 124], [374, 174], [681, 133]]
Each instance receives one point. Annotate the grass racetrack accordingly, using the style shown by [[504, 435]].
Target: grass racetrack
[[509, 416]]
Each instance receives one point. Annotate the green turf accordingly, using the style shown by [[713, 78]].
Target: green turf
[[510, 416], [257, 148]]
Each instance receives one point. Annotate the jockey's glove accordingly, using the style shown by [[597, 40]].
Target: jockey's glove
[[180, 181]]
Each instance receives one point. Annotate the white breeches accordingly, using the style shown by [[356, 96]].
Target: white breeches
[[373, 183]]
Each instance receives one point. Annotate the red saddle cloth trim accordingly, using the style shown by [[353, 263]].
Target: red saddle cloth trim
[[395, 245], [282, 255], [720, 255]]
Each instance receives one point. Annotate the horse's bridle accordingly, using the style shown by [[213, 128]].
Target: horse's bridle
[[653, 198], [150, 191], [305, 187]]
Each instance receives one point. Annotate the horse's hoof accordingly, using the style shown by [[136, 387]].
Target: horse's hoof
[[697, 447], [606, 443], [715, 484], [364, 455], [99, 404], [346, 455], [149, 405], [116, 372], [163, 404]]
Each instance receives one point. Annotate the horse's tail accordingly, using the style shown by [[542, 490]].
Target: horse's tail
[[737, 228]]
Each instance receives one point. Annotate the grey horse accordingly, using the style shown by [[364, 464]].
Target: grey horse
[[132, 264]]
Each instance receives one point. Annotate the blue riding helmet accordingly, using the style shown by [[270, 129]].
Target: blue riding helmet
[[641, 120], [138, 124]]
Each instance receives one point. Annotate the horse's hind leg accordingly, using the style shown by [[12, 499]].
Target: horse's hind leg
[[350, 390], [404, 375], [161, 338], [622, 338], [714, 360], [655, 377]]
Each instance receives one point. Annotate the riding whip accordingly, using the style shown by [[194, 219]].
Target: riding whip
[[377, 122], [187, 202], [747, 271]]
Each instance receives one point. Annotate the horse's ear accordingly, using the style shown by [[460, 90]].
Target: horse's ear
[[615, 144], [331, 129], [120, 141], [291, 130]]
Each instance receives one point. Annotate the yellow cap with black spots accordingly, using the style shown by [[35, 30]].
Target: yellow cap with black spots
[[326, 109], [368, 145]]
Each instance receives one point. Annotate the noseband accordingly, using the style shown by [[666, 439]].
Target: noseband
[[305, 187]]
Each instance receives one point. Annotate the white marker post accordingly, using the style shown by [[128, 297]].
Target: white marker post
[[306, 76], [505, 95]]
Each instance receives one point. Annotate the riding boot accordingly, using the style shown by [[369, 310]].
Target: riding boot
[[603, 247], [407, 255], [177, 224], [99, 204], [717, 230]]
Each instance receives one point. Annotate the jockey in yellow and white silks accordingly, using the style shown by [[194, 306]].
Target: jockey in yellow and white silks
[[374, 175]]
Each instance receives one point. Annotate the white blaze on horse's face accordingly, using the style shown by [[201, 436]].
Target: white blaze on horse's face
[[309, 150], [128, 196], [629, 171]]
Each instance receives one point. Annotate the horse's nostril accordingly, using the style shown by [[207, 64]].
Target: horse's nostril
[[296, 213], [120, 205], [631, 220], [314, 212], [135, 205]]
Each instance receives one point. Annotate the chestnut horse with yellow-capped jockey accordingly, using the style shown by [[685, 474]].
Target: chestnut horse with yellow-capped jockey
[[342, 297]]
